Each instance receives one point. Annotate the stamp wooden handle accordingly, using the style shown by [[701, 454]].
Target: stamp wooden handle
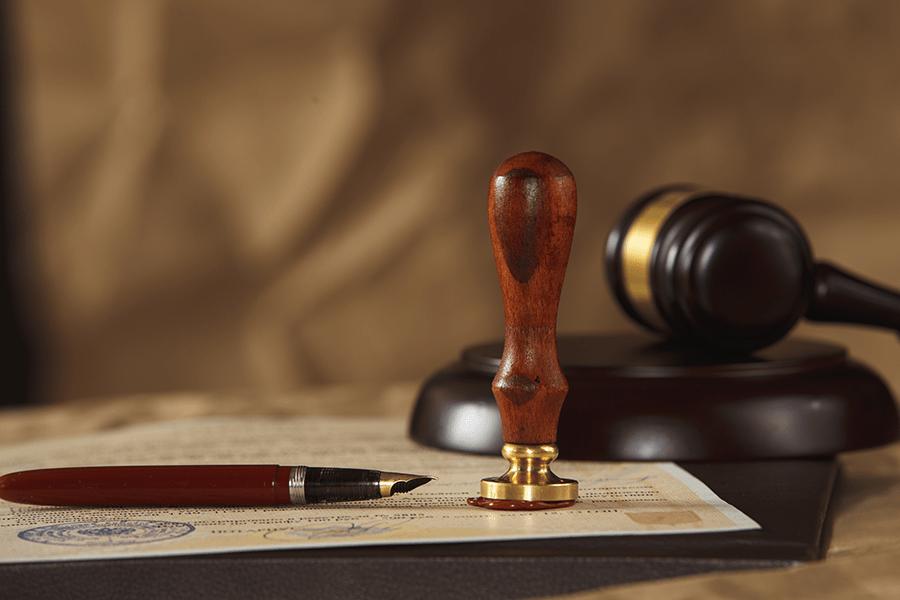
[[531, 211]]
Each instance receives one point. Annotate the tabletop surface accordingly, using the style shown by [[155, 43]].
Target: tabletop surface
[[860, 560]]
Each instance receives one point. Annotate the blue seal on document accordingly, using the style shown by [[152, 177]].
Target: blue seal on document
[[106, 533]]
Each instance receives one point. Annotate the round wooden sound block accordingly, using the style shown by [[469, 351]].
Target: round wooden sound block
[[632, 397]]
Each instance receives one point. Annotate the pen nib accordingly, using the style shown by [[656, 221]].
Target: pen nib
[[400, 483]]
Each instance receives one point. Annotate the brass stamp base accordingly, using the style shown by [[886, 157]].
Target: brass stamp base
[[529, 477], [494, 488]]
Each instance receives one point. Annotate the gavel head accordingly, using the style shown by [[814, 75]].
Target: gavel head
[[730, 272]]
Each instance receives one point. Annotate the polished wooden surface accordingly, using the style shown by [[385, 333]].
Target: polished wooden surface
[[531, 211], [634, 397]]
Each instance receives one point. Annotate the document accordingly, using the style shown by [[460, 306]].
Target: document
[[614, 498]]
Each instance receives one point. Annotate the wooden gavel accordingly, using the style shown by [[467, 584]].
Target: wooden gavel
[[531, 213], [729, 272]]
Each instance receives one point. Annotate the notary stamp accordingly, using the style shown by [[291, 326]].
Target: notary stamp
[[106, 533]]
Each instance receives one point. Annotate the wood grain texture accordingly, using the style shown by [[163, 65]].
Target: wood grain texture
[[531, 211]]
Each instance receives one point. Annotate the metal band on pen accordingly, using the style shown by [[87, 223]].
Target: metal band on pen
[[296, 484]]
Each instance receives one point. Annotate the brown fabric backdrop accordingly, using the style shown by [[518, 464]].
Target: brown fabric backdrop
[[242, 195]]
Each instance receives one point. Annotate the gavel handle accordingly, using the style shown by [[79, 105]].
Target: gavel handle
[[844, 298]]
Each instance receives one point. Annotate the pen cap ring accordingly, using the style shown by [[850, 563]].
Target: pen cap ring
[[296, 484]]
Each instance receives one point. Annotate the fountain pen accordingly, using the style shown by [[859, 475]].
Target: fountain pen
[[202, 485]]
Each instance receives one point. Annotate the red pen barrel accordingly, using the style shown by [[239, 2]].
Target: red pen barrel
[[201, 485]]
